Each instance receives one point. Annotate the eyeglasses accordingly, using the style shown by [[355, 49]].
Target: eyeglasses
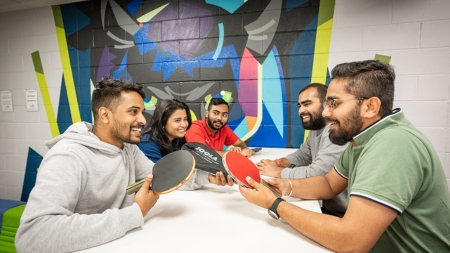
[[332, 104]]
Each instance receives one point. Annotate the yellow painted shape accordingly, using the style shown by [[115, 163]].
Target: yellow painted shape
[[149, 15], [322, 46], [65, 61], [47, 104]]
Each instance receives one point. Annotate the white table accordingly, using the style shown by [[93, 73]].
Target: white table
[[214, 219]]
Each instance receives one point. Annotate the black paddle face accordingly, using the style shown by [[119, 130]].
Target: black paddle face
[[206, 158], [172, 171], [169, 173]]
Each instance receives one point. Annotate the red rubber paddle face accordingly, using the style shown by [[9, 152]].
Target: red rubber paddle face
[[239, 167]]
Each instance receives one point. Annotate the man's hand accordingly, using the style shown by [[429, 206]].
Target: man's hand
[[269, 168], [247, 152], [281, 184], [259, 195], [244, 151], [220, 179], [145, 197]]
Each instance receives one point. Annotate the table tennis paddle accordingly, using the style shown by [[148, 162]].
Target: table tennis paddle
[[169, 173], [206, 158], [239, 167]]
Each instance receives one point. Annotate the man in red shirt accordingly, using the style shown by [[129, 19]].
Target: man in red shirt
[[213, 131]]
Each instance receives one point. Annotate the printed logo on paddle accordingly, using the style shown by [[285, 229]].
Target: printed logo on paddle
[[206, 155]]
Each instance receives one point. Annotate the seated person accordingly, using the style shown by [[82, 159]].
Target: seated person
[[213, 131], [165, 133], [399, 198], [317, 154], [79, 200]]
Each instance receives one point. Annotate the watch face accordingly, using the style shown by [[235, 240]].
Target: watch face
[[273, 214]]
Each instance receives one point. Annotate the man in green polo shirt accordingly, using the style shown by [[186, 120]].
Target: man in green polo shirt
[[399, 200]]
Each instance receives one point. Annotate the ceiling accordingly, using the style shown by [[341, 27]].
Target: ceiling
[[15, 5]]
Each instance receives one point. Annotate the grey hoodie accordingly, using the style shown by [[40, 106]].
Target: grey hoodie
[[79, 199]]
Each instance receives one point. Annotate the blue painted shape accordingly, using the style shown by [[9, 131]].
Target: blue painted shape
[[33, 161], [267, 135], [133, 6], [121, 72], [229, 5], [291, 4], [301, 59], [227, 53], [272, 91], [220, 43], [242, 128], [81, 62], [73, 19], [64, 118]]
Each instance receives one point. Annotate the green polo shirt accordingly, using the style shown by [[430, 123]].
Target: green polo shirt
[[395, 165]]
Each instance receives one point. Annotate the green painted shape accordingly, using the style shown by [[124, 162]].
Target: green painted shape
[[36, 57], [383, 58], [57, 16], [10, 224], [326, 11]]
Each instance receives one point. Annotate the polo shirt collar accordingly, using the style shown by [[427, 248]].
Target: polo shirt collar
[[363, 136]]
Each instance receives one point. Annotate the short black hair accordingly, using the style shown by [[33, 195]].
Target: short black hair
[[217, 101], [370, 78], [321, 90], [107, 93]]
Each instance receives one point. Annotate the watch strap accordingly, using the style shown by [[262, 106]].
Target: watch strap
[[274, 207]]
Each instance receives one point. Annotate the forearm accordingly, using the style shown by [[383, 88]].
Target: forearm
[[302, 172], [71, 232], [326, 230], [312, 188], [242, 145]]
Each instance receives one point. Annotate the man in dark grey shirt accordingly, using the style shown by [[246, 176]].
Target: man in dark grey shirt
[[317, 155]]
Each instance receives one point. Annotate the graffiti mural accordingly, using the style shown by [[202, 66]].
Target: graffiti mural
[[256, 54]]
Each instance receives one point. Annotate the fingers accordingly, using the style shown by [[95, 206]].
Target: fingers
[[230, 180], [220, 179], [252, 182], [148, 181]]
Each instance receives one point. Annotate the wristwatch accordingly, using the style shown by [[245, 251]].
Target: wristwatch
[[291, 166], [272, 211]]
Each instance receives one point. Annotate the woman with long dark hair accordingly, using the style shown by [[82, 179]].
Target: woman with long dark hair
[[166, 129], [165, 134]]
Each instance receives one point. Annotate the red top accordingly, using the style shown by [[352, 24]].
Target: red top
[[199, 132]]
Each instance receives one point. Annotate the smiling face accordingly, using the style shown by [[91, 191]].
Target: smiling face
[[310, 110], [128, 119], [345, 118], [217, 117], [177, 124]]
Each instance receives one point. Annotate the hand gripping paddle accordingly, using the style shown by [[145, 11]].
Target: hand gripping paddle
[[169, 173], [239, 167]]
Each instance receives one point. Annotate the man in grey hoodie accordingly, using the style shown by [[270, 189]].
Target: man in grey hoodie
[[79, 199], [317, 154]]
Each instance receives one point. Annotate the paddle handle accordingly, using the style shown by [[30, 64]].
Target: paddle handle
[[132, 188], [271, 188]]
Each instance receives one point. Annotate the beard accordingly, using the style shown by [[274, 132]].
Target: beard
[[315, 123], [211, 124], [118, 129], [349, 126]]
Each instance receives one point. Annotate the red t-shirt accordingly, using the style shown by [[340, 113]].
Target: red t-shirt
[[199, 132]]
